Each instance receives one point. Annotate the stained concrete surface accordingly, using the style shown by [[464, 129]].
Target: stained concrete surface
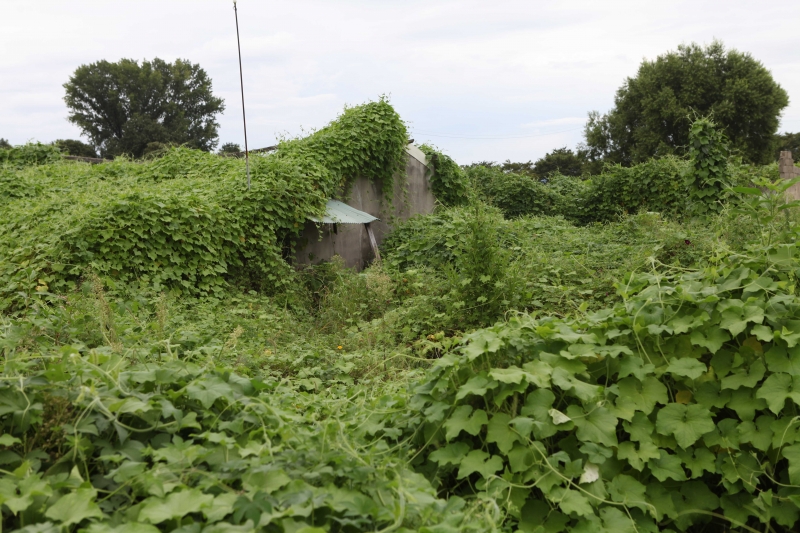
[[320, 242]]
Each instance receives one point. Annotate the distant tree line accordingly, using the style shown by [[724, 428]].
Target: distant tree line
[[135, 109], [653, 110]]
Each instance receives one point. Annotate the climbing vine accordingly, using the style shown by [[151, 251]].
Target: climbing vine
[[185, 222]]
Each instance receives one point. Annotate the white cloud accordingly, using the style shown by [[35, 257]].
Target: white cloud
[[467, 68]]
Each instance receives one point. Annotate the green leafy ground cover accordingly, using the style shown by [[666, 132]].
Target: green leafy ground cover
[[533, 373]]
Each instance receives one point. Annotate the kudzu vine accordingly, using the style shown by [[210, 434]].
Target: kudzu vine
[[677, 408], [184, 222]]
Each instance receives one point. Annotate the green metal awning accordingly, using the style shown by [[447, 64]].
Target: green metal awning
[[337, 212]]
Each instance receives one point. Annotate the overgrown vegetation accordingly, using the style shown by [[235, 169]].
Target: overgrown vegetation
[[614, 354], [183, 222]]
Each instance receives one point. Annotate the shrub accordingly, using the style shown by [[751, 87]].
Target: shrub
[[513, 193]]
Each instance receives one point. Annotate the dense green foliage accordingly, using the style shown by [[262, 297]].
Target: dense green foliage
[[787, 142], [655, 185], [709, 176], [16, 157], [230, 148], [652, 111], [672, 186], [674, 408], [448, 182], [75, 147], [123, 106], [625, 362], [562, 161], [185, 221]]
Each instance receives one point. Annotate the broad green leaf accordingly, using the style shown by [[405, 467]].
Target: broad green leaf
[[709, 395], [450, 454], [571, 501], [740, 378], [537, 405], [781, 359], [8, 440], [463, 419], [75, 507], [712, 340], [569, 383], [743, 402], [538, 373], [637, 458], [634, 366], [523, 426], [511, 374], [699, 496], [598, 425], [597, 454], [792, 454], [480, 462], [785, 431], [476, 385], [640, 428], [790, 337], [635, 395], [521, 458], [176, 505], [667, 467], [208, 390], [499, 432], [221, 506], [686, 422], [626, 490], [265, 480], [687, 367], [698, 460], [762, 333], [615, 521], [777, 388], [759, 434]]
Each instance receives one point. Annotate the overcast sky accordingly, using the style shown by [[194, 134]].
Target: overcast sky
[[482, 80]]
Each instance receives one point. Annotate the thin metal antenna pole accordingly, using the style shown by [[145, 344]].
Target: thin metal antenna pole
[[241, 82]]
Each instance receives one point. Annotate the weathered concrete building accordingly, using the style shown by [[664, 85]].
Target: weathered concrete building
[[347, 234], [789, 171]]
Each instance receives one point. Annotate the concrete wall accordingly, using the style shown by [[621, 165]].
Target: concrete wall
[[321, 242], [789, 171]]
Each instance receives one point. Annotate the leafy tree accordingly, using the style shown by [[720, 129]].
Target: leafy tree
[[122, 107], [787, 141], [562, 160], [229, 149], [75, 147], [518, 168], [654, 109], [4, 143]]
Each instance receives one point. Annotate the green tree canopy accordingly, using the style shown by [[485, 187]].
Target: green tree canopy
[[654, 109], [561, 160], [4, 143], [75, 147], [230, 148], [122, 107], [788, 141]]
